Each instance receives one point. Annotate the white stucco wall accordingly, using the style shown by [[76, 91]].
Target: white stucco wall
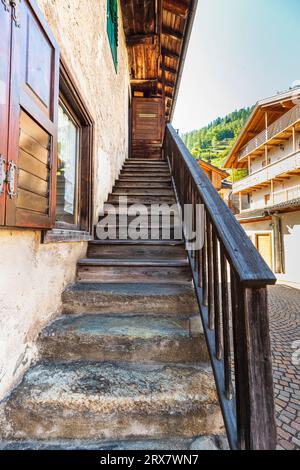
[[33, 275], [291, 239]]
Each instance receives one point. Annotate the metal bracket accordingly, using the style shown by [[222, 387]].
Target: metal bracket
[[6, 4], [2, 174], [16, 4], [10, 179]]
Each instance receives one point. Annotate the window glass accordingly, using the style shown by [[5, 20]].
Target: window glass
[[66, 167]]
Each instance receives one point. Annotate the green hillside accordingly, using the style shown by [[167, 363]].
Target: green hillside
[[213, 142]]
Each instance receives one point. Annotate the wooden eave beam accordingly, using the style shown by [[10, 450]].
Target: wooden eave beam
[[170, 70], [169, 53], [174, 34], [177, 7], [167, 83], [139, 39]]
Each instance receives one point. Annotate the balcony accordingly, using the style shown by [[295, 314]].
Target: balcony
[[281, 125], [261, 177]]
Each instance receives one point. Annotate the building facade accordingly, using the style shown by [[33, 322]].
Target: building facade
[[79, 72], [268, 149]]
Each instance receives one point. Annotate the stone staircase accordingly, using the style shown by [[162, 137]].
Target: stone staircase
[[127, 361]]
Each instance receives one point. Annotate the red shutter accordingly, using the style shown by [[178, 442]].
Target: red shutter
[[32, 145], [5, 30]]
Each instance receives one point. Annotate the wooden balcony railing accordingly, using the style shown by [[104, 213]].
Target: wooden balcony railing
[[285, 122], [284, 165], [231, 281]]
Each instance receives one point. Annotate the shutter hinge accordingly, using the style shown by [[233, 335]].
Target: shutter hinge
[[16, 4], [2, 174], [6, 4], [10, 179]]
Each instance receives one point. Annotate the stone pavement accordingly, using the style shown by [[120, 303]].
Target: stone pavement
[[284, 308]]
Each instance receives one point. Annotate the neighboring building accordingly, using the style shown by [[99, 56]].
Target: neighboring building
[[215, 174], [218, 179], [268, 149], [80, 70]]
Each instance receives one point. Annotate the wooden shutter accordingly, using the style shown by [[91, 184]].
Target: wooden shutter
[[32, 146], [5, 28], [112, 28]]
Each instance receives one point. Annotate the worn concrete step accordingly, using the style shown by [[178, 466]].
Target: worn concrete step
[[135, 250], [130, 298], [133, 270], [143, 199], [119, 338], [156, 191], [91, 400]]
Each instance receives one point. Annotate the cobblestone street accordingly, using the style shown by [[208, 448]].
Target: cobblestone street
[[284, 303]]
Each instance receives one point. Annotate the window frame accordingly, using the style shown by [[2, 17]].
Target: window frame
[[71, 100]]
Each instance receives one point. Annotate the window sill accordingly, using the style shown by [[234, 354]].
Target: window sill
[[58, 235]]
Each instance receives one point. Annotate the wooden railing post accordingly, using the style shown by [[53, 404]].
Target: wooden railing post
[[260, 378]]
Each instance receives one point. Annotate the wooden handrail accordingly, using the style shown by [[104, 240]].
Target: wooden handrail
[[230, 279]]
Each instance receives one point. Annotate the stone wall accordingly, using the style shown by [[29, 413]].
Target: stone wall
[[33, 275]]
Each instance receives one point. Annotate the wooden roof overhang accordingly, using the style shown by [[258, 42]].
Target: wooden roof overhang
[[275, 107], [157, 34], [210, 167]]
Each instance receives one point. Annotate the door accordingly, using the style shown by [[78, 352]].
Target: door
[[147, 127], [5, 28], [32, 142], [264, 246]]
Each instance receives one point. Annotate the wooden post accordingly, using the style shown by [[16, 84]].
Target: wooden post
[[266, 155], [294, 140], [272, 191], [253, 368], [266, 125]]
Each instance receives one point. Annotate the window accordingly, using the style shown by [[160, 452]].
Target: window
[[267, 199], [67, 167], [112, 29], [74, 159]]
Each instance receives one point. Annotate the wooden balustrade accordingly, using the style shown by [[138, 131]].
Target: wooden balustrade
[[285, 122], [231, 282]]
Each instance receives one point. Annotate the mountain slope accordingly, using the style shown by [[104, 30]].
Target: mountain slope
[[213, 142]]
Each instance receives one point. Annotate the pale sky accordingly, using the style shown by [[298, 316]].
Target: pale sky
[[240, 52]]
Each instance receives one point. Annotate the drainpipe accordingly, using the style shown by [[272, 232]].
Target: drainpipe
[[184, 49]]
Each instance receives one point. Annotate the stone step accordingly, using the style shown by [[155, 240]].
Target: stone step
[[146, 179], [143, 184], [136, 250], [148, 168], [126, 298], [128, 339], [156, 191], [143, 174], [133, 270], [143, 199], [179, 443], [104, 231], [92, 400]]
